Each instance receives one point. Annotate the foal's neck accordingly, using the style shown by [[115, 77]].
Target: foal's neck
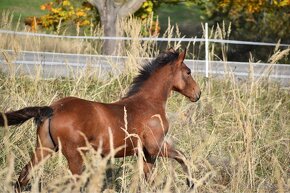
[[158, 87]]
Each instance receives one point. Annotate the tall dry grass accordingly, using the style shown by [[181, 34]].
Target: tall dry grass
[[236, 137]]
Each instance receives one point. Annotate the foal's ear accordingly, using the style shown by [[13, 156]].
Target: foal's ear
[[171, 49], [182, 56]]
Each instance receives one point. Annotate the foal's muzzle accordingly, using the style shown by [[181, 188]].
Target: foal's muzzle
[[196, 97]]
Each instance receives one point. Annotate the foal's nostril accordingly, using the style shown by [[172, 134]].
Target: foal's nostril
[[197, 96]]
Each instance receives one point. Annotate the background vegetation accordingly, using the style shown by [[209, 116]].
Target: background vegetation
[[262, 20]]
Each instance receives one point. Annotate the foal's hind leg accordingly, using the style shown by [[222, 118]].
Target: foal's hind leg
[[44, 148], [75, 162], [167, 150], [74, 158]]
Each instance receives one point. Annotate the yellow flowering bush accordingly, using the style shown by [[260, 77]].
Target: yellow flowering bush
[[66, 12]]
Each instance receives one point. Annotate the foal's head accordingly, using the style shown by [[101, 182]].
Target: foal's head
[[182, 79], [176, 72]]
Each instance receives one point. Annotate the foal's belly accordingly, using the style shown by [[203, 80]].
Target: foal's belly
[[115, 144]]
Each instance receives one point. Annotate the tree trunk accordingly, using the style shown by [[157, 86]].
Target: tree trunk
[[109, 23], [110, 11]]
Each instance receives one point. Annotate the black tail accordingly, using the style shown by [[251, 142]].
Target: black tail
[[22, 115]]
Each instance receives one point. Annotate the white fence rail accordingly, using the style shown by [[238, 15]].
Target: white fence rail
[[62, 64], [145, 39], [56, 64]]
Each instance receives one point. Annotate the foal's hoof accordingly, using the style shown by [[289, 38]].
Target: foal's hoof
[[17, 187], [190, 184]]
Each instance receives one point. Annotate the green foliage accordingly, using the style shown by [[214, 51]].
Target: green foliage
[[146, 10], [252, 20], [265, 21]]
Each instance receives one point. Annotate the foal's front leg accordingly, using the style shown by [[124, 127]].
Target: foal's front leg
[[167, 150], [148, 163]]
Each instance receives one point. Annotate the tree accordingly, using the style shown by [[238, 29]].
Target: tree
[[84, 13], [110, 12], [87, 13]]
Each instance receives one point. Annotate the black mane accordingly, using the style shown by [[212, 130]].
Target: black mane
[[148, 69]]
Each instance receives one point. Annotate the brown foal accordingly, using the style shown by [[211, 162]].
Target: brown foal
[[69, 119]]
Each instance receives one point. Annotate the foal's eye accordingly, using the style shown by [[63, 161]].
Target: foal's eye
[[188, 72]]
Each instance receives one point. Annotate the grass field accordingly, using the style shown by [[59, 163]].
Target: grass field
[[236, 137]]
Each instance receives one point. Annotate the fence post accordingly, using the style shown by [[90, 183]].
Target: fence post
[[206, 50]]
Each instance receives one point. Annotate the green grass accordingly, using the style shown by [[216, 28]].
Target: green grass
[[186, 15], [22, 9]]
